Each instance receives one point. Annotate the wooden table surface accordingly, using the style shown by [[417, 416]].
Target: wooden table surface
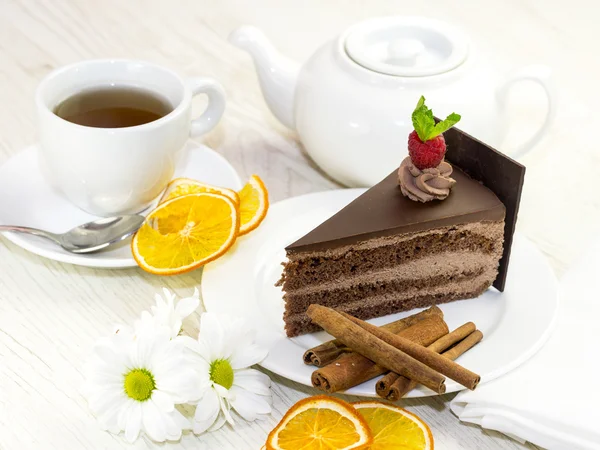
[[51, 313]]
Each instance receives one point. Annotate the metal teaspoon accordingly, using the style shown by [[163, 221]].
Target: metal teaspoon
[[89, 237]]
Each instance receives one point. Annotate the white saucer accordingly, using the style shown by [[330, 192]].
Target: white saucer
[[26, 199], [515, 323]]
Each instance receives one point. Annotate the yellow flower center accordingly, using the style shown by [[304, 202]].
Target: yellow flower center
[[221, 373], [139, 384]]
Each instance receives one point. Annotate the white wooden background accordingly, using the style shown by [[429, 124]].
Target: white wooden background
[[51, 313]]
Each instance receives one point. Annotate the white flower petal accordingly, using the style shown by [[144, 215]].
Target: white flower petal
[[175, 328], [160, 302], [186, 306], [168, 358], [185, 377], [211, 334], [188, 342], [221, 391], [201, 366], [183, 387], [145, 325], [149, 347], [134, 423], [205, 351], [164, 402], [237, 334], [225, 406], [249, 405], [103, 399], [141, 350], [154, 425], [182, 422], [196, 368], [173, 430], [124, 413], [253, 380], [166, 313], [110, 424], [109, 418], [207, 411], [196, 351], [103, 376], [109, 355], [246, 356], [169, 296], [218, 423], [165, 302]]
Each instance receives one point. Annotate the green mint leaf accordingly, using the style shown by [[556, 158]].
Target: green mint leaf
[[421, 102], [444, 125], [422, 119]]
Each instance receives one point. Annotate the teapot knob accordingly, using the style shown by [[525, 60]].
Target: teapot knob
[[404, 52]]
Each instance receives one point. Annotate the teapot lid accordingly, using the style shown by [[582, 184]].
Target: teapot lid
[[406, 46]]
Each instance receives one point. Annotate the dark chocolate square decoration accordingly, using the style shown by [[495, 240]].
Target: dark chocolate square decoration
[[501, 174]]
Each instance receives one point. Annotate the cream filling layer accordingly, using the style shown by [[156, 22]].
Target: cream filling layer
[[438, 264]]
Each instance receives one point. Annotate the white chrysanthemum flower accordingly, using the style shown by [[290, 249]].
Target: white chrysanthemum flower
[[134, 384], [167, 313], [223, 352]]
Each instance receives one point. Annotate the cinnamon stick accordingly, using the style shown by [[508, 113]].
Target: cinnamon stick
[[327, 352], [383, 387], [428, 357], [404, 385], [388, 387], [445, 342], [467, 343], [370, 346], [352, 369]]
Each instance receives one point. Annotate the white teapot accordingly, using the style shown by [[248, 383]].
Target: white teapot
[[351, 102]]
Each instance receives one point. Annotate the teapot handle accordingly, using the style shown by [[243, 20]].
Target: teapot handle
[[543, 76]]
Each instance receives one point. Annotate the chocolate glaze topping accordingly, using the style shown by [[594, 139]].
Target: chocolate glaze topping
[[384, 211]]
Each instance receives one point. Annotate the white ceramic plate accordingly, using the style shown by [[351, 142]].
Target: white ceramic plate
[[515, 323], [26, 199]]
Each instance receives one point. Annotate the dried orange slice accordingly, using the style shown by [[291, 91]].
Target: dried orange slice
[[254, 204], [395, 428], [320, 423], [185, 233], [184, 186]]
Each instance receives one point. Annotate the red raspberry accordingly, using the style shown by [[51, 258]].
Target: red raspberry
[[426, 155]]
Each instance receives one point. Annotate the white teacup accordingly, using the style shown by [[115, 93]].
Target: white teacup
[[110, 171]]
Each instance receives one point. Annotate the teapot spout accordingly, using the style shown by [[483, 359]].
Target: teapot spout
[[277, 74]]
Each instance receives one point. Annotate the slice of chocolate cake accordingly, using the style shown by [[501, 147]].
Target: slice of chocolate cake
[[385, 252]]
